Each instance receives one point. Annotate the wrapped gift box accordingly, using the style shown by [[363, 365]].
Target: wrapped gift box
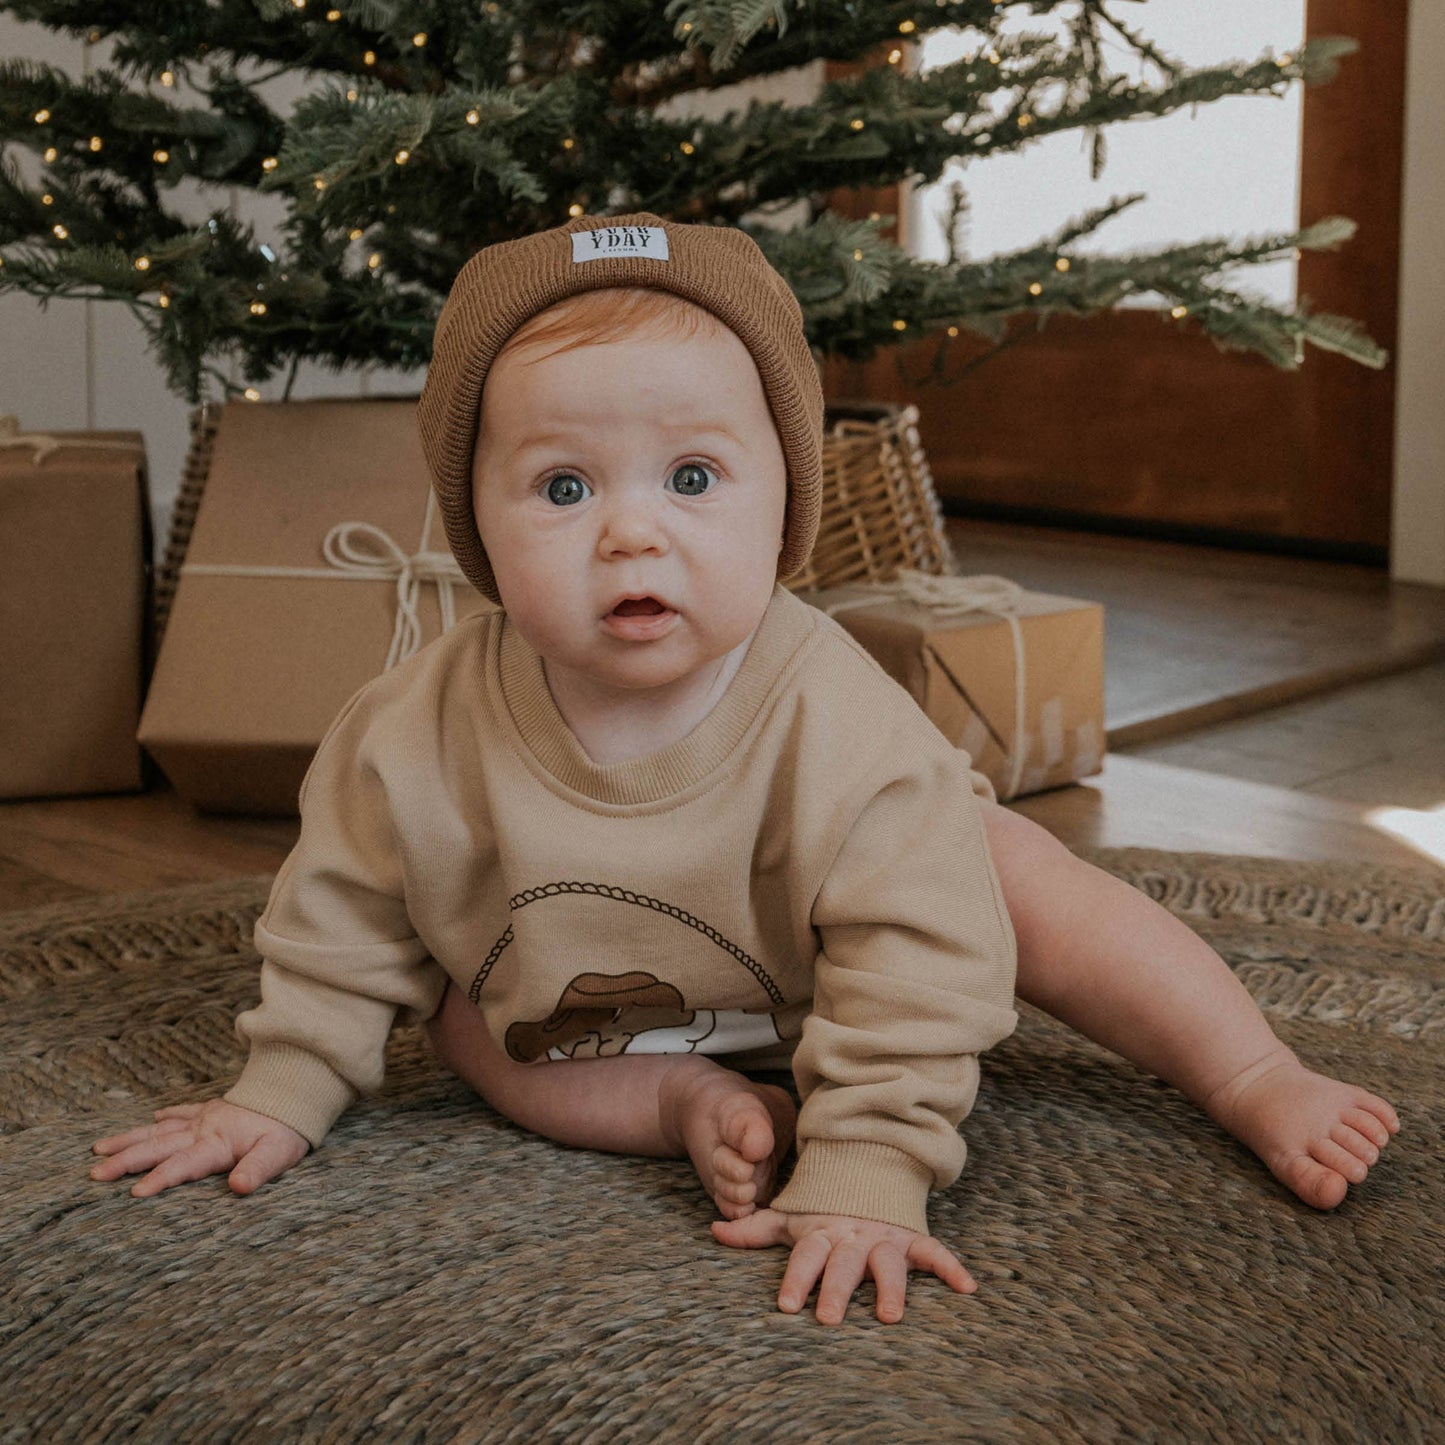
[[75, 552], [267, 637], [965, 669]]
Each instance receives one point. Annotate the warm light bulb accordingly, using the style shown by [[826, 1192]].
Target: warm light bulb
[[168, 78], [419, 39], [474, 116], [402, 157], [51, 153], [356, 234], [953, 331], [160, 157], [857, 255], [687, 147], [270, 163], [1025, 120], [251, 394], [568, 143], [60, 232], [855, 124], [333, 16], [1062, 264], [1035, 289], [47, 199], [142, 263], [351, 95], [163, 299], [369, 58], [374, 260], [900, 326], [258, 308], [575, 209], [96, 143], [906, 27], [41, 116], [894, 56], [1179, 312]]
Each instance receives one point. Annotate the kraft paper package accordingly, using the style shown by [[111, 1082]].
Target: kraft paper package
[[75, 549], [282, 612], [966, 647]]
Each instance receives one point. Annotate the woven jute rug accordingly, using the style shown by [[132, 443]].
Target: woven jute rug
[[434, 1273]]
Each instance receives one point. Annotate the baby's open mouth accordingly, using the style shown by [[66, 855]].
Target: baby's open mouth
[[638, 607]]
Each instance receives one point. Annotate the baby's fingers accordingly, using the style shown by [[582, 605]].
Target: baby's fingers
[[206, 1156], [272, 1154], [806, 1262], [925, 1252], [138, 1151], [889, 1269], [114, 1143]]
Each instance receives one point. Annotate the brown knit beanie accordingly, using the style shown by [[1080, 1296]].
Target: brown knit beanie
[[716, 267]]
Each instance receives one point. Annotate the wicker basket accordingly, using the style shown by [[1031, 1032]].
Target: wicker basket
[[880, 511]]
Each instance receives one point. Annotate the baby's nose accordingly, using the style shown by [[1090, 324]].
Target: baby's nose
[[632, 525]]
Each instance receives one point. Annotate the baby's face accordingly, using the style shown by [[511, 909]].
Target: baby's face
[[631, 496]]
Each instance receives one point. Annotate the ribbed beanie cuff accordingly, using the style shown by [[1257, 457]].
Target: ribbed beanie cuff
[[718, 268]]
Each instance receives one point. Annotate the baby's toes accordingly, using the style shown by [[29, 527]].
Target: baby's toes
[[1335, 1156], [730, 1168], [749, 1131], [1356, 1143], [1370, 1125], [1314, 1182], [1379, 1109]]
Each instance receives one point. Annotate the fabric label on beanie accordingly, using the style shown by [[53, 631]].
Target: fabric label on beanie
[[620, 241]]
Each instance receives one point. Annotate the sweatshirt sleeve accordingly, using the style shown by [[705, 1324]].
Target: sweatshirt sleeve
[[340, 955], [914, 980]]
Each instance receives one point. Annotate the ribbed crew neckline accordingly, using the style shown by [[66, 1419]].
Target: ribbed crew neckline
[[518, 674]]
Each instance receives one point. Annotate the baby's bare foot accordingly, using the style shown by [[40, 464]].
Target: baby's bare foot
[[1317, 1135], [736, 1133]]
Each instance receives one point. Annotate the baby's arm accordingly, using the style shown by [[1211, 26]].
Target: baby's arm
[[190, 1141], [914, 979]]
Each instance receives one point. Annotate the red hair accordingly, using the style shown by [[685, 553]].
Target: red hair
[[613, 313]]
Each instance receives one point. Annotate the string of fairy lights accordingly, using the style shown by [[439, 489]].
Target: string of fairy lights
[[1043, 289]]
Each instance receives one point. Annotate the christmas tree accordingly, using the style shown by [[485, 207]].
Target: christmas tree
[[428, 130]]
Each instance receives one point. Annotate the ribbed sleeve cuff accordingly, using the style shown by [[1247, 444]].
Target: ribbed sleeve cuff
[[293, 1086], [859, 1178]]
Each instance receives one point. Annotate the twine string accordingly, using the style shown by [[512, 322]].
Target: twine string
[[949, 598], [42, 444], [364, 552]]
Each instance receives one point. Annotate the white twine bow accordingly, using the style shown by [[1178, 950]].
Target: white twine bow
[[42, 444], [951, 597], [381, 561]]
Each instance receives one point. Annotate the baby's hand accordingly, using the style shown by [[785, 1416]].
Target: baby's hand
[[190, 1141], [843, 1250]]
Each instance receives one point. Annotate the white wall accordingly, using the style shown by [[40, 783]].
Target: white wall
[[1417, 552]]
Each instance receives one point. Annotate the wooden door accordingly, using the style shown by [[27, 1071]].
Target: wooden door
[[1129, 422]]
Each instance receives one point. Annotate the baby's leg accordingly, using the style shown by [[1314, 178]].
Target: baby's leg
[[1110, 962], [672, 1106]]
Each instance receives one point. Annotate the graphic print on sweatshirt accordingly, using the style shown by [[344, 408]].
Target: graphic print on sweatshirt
[[614, 971]]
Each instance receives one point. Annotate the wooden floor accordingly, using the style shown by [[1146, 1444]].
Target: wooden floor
[[1199, 640]]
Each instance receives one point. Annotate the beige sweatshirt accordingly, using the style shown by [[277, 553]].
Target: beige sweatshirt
[[803, 874]]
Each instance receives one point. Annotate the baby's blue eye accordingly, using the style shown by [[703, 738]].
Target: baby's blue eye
[[691, 480], [566, 489]]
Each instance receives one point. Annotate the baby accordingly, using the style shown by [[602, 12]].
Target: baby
[[658, 823]]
